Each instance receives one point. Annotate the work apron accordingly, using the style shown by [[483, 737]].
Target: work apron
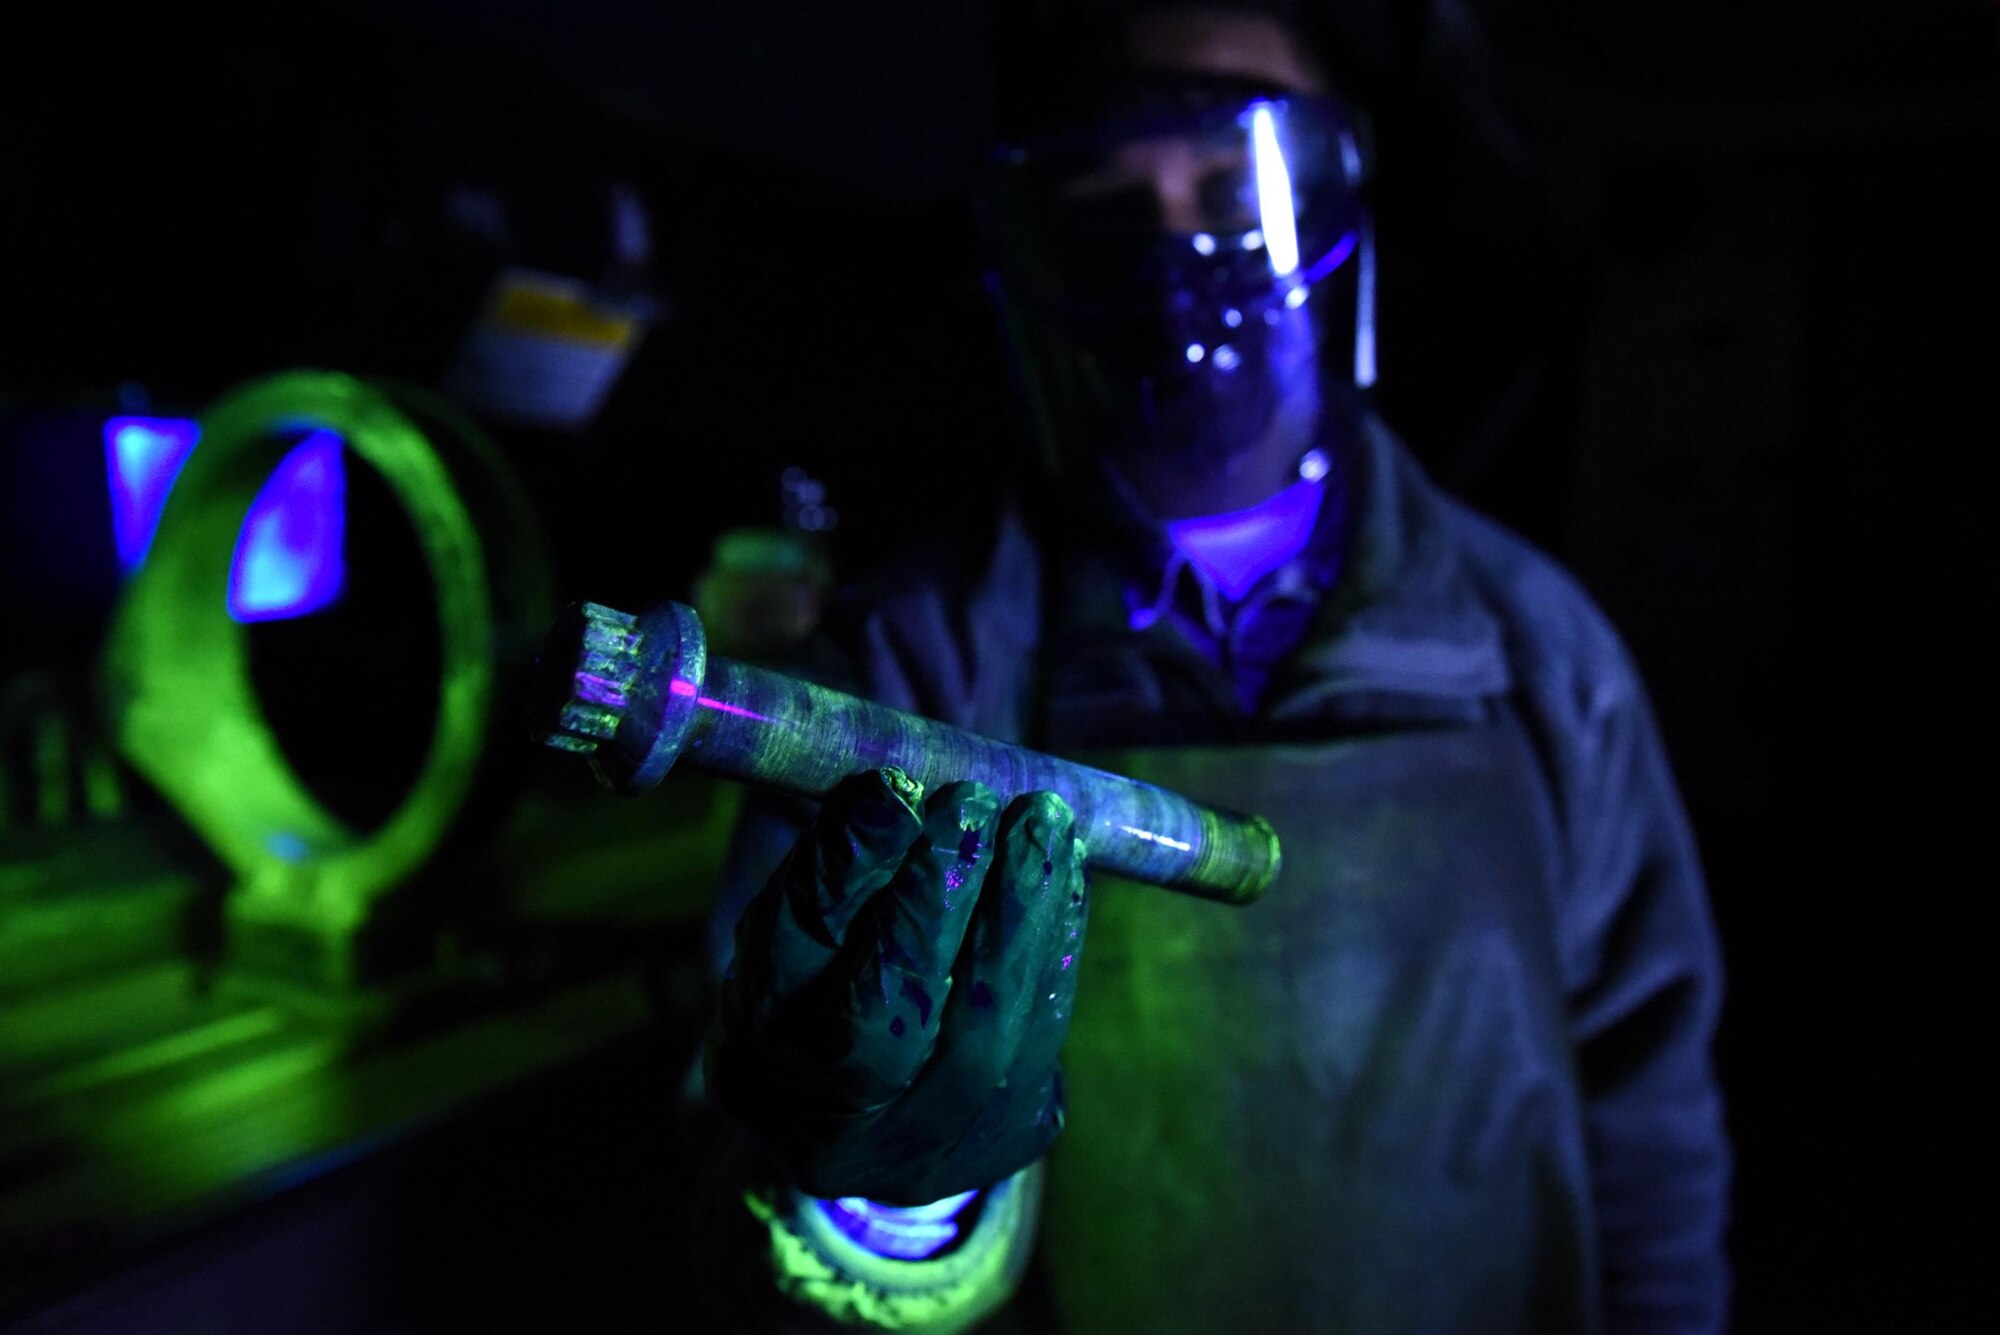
[[1351, 1106]]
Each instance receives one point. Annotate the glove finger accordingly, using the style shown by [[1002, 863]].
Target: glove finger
[[1000, 989], [899, 968], [1054, 996], [805, 913]]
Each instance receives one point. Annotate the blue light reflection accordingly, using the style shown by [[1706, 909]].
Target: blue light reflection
[[908, 1233], [1276, 209], [142, 457], [289, 555]]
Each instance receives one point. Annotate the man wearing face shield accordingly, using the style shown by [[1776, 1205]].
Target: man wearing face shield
[[1452, 1074], [1179, 273]]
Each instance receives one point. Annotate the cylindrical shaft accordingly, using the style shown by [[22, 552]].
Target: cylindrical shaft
[[768, 728], [640, 694]]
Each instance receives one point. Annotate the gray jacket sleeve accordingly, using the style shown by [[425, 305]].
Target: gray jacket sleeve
[[1644, 979]]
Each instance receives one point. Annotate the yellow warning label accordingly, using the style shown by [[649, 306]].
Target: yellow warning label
[[550, 308]]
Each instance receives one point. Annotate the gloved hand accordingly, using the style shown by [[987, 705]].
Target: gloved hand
[[902, 988]]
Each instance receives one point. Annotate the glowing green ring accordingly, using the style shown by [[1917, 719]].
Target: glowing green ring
[[178, 676]]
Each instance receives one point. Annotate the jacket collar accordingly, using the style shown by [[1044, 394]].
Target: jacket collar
[[1405, 621], [1401, 637]]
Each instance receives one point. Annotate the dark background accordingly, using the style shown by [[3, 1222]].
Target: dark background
[[1698, 296]]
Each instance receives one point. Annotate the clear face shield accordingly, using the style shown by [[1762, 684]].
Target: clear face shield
[[1189, 287]]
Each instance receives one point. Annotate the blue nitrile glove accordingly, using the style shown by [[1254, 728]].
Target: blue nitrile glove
[[902, 988]]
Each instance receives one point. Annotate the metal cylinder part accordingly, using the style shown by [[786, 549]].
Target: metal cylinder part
[[638, 693]]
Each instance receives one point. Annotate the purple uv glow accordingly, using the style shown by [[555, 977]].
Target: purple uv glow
[[598, 690], [1332, 260], [142, 457], [907, 1233], [289, 559], [1238, 548]]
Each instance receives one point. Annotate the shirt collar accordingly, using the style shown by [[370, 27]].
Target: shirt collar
[[1397, 624]]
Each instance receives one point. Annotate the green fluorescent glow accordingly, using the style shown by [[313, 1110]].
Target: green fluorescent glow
[[818, 1266], [183, 1045], [177, 676]]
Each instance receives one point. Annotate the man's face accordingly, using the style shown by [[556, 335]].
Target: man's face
[[1171, 245], [1185, 184], [1181, 183]]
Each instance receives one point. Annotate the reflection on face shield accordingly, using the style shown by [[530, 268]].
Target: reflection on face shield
[[1197, 415], [1182, 281]]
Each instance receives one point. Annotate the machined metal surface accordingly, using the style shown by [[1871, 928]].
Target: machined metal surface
[[639, 693]]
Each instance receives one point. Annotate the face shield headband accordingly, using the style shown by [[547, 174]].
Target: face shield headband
[[1189, 285]]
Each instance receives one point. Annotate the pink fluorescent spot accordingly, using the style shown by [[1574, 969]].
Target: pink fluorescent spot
[[687, 688], [599, 691], [708, 702], [1066, 960]]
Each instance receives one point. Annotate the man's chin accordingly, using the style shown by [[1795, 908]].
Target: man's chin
[[1169, 487], [1185, 476]]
